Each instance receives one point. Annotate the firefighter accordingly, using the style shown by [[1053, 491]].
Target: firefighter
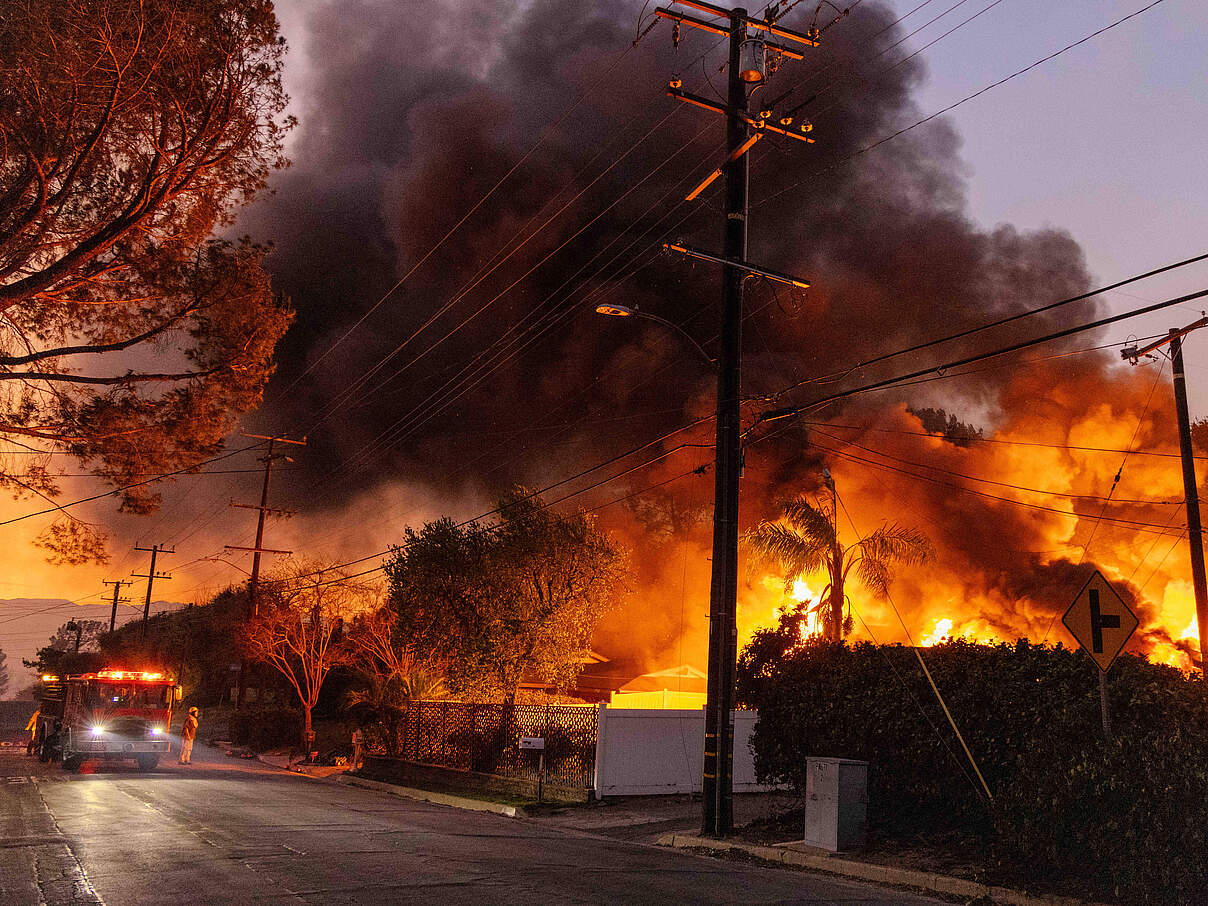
[[32, 729], [187, 734]]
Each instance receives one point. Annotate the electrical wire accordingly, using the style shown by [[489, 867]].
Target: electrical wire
[[341, 399], [977, 439], [926, 672], [548, 131], [1128, 523], [979, 357], [952, 106], [137, 484], [489, 359], [1010, 319], [1002, 484]]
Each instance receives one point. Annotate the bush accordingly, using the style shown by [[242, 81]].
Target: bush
[[1127, 819], [266, 728]]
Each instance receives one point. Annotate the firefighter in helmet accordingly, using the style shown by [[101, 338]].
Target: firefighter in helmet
[[187, 734]]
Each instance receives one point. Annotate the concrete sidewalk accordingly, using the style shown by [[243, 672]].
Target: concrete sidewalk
[[645, 819]]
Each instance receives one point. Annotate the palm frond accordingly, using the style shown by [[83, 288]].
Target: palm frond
[[894, 543], [874, 575], [809, 519], [795, 552]]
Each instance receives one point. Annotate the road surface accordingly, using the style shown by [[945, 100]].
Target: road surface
[[226, 831]]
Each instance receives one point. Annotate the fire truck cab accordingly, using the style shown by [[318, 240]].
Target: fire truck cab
[[106, 715]]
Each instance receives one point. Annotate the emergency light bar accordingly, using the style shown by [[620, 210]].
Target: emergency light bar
[[123, 675]]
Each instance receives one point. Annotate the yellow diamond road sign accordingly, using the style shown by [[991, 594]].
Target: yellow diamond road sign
[[1100, 620]]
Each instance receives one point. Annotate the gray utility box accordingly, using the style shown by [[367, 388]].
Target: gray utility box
[[836, 803]]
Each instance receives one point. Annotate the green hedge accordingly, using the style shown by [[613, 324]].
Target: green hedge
[[1126, 820]]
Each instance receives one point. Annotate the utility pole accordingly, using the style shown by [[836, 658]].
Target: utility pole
[[748, 68], [117, 599], [1190, 490], [259, 548], [73, 626], [151, 575], [835, 630]]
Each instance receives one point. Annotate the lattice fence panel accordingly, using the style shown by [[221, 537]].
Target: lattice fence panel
[[486, 738]]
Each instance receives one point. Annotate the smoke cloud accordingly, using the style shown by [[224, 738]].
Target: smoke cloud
[[413, 112]]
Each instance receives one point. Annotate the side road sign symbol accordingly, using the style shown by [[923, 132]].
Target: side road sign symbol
[[1100, 621]]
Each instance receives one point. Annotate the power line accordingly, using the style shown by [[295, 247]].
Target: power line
[[968, 332], [548, 131], [960, 439], [341, 399], [483, 364], [561, 482], [137, 484], [968, 360], [1002, 484], [868, 80], [1128, 523], [956, 104]]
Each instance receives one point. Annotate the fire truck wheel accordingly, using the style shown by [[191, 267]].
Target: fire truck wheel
[[71, 763], [147, 762]]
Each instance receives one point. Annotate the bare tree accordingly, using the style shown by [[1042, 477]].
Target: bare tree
[[392, 675], [129, 338], [302, 628]]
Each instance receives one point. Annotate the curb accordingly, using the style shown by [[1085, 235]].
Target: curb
[[868, 871], [475, 805]]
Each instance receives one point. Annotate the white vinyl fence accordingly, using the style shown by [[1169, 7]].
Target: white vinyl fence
[[646, 751]]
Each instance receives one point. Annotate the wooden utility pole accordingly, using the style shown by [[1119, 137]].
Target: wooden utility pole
[[151, 575], [117, 599], [747, 69], [1190, 490], [264, 509]]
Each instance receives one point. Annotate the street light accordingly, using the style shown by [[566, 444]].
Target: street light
[[624, 311]]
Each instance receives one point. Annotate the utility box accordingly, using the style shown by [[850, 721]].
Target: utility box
[[836, 803]]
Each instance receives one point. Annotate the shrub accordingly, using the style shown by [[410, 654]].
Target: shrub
[[1127, 819], [265, 728]]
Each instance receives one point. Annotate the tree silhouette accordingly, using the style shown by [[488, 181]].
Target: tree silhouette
[[803, 541], [301, 628], [131, 130]]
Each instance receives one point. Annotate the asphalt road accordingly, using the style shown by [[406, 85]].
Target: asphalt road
[[225, 831]]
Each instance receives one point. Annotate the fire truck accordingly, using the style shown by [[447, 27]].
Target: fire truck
[[106, 715]]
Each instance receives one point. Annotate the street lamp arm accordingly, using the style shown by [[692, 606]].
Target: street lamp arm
[[712, 362]]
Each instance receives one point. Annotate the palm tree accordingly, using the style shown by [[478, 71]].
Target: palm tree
[[804, 540]]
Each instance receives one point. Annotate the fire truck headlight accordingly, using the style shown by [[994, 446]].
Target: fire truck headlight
[[98, 730], [157, 731]]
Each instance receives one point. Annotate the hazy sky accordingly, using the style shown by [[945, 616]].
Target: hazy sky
[[1106, 141]]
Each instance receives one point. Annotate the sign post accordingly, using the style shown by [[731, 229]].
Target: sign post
[[1102, 623]]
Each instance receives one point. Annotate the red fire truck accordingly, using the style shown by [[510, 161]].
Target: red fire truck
[[106, 715]]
